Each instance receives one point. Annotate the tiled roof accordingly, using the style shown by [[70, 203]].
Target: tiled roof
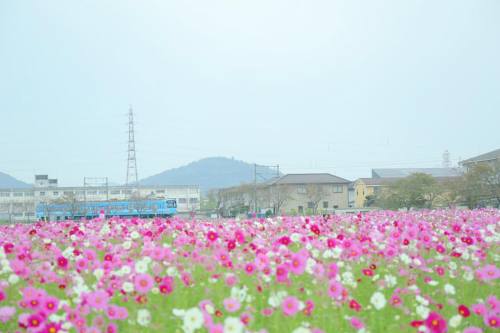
[[492, 155], [311, 178]]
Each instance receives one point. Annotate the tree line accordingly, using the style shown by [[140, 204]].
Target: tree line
[[478, 187]]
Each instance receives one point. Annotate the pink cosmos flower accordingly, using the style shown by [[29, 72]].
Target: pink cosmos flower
[[267, 312], [98, 299], [51, 328], [282, 273], [357, 323], [335, 289], [488, 272], [290, 306], [250, 268], [35, 321], [298, 263], [6, 313], [50, 305], [216, 328], [479, 309], [143, 283], [491, 320], [231, 304], [112, 328], [473, 329], [212, 236], [436, 323], [62, 262], [231, 280]]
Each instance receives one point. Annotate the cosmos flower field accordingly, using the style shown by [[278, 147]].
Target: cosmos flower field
[[426, 271]]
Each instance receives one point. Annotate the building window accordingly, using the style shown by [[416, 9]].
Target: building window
[[310, 204], [4, 194], [92, 192], [301, 189], [42, 194], [193, 200], [18, 194], [301, 209], [325, 204], [336, 206], [182, 200], [68, 193], [337, 189], [55, 193], [115, 192], [29, 194]]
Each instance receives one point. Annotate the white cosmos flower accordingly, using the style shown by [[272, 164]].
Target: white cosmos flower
[[128, 287], [468, 276], [193, 319], [390, 280], [143, 317], [422, 311], [179, 312], [455, 321], [13, 279], [127, 245], [134, 235], [421, 300], [141, 266], [449, 289], [233, 325], [98, 273], [378, 300], [66, 326]]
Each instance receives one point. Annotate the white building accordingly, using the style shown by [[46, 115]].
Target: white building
[[20, 204]]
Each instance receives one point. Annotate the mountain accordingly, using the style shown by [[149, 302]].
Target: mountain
[[211, 173], [7, 181]]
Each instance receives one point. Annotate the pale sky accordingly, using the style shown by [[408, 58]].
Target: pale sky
[[315, 86]]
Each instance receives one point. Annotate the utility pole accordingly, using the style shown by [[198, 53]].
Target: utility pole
[[263, 176]]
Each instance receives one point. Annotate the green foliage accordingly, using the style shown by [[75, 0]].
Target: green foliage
[[480, 186], [418, 190]]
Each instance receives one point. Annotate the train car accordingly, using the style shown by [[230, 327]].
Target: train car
[[89, 210]]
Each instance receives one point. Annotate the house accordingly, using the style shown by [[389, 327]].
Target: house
[[366, 188], [312, 192], [489, 158], [309, 193]]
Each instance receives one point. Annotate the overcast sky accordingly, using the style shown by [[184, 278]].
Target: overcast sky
[[315, 86]]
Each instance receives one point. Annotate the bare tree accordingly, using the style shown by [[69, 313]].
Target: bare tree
[[315, 193], [71, 201], [279, 194]]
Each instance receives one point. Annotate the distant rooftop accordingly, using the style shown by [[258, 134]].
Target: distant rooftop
[[311, 178], [490, 156], [379, 181], [405, 172]]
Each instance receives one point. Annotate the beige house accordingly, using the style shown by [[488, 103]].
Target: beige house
[[490, 159], [365, 189], [311, 193]]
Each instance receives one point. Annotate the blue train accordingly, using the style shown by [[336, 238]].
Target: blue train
[[88, 210]]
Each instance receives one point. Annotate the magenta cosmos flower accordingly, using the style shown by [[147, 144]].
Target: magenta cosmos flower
[[436, 323]]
